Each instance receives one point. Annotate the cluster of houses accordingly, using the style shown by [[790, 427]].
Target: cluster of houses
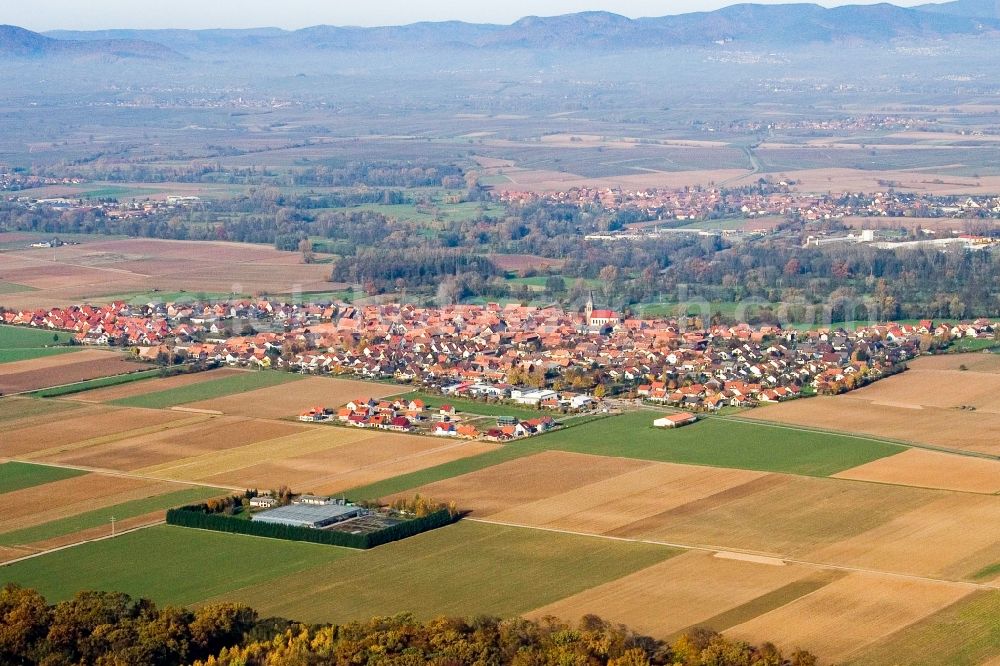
[[699, 203], [492, 350], [414, 415]]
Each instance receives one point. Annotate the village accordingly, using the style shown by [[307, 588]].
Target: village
[[544, 358]]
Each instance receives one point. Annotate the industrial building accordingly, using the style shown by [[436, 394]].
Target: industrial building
[[310, 515]]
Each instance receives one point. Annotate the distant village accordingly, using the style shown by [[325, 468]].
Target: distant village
[[543, 357]]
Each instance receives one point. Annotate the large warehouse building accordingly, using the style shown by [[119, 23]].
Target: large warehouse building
[[308, 515]]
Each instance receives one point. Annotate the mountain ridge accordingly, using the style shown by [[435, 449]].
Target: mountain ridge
[[750, 24]]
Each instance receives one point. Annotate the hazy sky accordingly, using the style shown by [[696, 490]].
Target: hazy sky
[[95, 14]]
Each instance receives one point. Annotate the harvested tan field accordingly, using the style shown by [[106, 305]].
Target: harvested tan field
[[619, 501], [353, 462], [19, 412], [91, 270], [857, 180], [953, 536], [921, 385], [215, 464], [948, 428], [150, 386], [12, 553], [676, 594], [525, 480], [286, 400], [781, 515], [60, 499], [849, 614], [930, 469], [198, 436], [84, 427], [76, 367]]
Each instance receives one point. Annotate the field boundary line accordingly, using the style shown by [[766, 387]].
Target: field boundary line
[[719, 550], [80, 543], [127, 475]]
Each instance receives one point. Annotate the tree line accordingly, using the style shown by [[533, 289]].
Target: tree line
[[112, 628]]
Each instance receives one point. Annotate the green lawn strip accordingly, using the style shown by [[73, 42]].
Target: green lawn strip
[[476, 407], [98, 517], [963, 634], [26, 354], [987, 572], [216, 388], [766, 603], [17, 475], [720, 443], [170, 565], [100, 382], [24, 337], [442, 573]]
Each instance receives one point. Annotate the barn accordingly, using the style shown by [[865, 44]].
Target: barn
[[675, 420]]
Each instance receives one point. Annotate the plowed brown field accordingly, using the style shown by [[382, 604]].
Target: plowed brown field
[[62, 369]]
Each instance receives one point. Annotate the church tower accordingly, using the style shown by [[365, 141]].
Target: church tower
[[588, 309]]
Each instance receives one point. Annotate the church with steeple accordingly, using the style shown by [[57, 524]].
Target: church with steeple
[[600, 318]]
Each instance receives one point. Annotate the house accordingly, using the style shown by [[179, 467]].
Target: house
[[263, 502], [445, 429], [675, 420]]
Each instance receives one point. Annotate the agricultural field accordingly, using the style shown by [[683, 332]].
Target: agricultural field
[[17, 475], [22, 344], [442, 572], [851, 613], [911, 406], [283, 401], [825, 521], [215, 387], [931, 469], [692, 589], [98, 268], [112, 393], [966, 632], [171, 565], [722, 442], [95, 523], [42, 372]]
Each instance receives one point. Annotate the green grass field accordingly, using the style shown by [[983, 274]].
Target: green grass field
[[18, 475], [465, 569], [22, 337], [476, 407], [98, 517], [964, 634], [14, 288], [720, 443], [100, 382], [216, 388], [170, 565], [19, 343]]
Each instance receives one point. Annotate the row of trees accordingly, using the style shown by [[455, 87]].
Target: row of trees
[[200, 517], [107, 628]]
